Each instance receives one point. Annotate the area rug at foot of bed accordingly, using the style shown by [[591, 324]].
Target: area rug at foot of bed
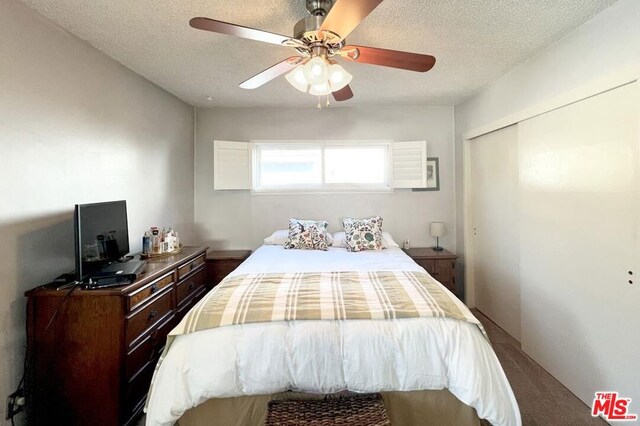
[[440, 407], [352, 410]]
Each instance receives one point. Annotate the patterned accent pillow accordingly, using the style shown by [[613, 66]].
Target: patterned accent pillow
[[307, 234], [363, 234]]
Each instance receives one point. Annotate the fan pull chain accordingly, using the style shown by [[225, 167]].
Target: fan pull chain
[[328, 104]]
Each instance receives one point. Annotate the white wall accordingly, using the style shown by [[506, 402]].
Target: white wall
[[76, 127], [608, 43], [238, 219]]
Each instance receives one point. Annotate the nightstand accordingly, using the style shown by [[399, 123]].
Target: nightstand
[[440, 264], [221, 263]]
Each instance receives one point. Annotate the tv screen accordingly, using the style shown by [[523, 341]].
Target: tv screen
[[101, 235]]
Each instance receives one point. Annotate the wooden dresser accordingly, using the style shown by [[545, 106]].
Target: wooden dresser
[[440, 264], [92, 362]]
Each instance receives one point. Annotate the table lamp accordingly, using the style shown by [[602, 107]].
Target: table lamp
[[437, 230]]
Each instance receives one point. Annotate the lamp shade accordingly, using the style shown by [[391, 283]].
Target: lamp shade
[[321, 89], [437, 229], [297, 79], [316, 70], [338, 77]]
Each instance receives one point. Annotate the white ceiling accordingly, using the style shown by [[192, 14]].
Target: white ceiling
[[474, 41]]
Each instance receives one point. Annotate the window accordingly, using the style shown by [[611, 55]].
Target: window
[[281, 166], [321, 166]]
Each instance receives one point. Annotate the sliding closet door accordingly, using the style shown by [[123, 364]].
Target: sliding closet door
[[580, 183], [494, 218]]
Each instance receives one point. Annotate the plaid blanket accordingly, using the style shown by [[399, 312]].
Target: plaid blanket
[[321, 296]]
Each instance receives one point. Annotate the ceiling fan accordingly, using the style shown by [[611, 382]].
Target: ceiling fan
[[319, 39]]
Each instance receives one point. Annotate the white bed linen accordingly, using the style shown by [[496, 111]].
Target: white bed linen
[[329, 356]]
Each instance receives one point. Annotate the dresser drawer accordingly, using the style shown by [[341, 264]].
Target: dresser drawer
[[429, 265], [446, 273], [136, 391], [185, 270], [149, 349], [190, 303], [188, 287], [147, 317], [145, 293]]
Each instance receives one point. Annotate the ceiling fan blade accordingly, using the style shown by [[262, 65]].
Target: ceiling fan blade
[[343, 94], [271, 73], [389, 58], [212, 25], [345, 15]]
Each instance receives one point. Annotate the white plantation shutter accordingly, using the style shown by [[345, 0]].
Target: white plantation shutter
[[231, 165], [409, 164]]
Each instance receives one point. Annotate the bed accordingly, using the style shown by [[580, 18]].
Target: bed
[[434, 367]]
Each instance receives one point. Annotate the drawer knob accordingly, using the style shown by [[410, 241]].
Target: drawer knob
[[154, 288], [153, 314], [193, 265], [191, 286]]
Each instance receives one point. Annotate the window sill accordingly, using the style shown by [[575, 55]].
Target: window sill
[[321, 191]]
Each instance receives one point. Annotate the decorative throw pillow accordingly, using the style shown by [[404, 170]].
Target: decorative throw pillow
[[307, 234], [363, 234]]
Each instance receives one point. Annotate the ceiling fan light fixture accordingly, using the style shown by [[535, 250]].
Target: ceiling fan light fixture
[[297, 79], [321, 89], [338, 77], [318, 38], [316, 70]]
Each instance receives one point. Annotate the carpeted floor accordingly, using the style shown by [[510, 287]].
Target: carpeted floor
[[543, 400]]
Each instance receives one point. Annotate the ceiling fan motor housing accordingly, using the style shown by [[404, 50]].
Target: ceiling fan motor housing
[[308, 27]]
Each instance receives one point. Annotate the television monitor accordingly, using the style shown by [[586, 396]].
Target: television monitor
[[101, 236]]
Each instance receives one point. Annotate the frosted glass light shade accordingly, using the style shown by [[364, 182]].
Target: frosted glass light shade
[[321, 89], [316, 70], [338, 77], [297, 79], [437, 229]]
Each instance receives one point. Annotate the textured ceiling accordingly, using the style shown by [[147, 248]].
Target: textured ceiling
[[474, 41]]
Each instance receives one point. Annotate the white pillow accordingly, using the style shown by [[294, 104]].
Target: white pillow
[[340, 240], [279, 237], [388, 241]]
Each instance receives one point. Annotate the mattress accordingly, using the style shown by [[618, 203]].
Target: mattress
[[321, 356]]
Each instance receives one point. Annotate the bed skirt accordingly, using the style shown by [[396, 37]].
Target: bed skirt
[[427, 407]]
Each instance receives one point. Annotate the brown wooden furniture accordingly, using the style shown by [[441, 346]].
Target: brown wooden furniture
[[440, 264], [92, 362], [220, 263]]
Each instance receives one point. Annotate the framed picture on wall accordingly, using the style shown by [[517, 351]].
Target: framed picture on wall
[[433, 175]]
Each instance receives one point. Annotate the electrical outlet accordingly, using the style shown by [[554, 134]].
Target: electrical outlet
[[15, 403]]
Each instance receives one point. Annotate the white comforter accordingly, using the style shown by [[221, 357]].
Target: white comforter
[[329, 356]]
